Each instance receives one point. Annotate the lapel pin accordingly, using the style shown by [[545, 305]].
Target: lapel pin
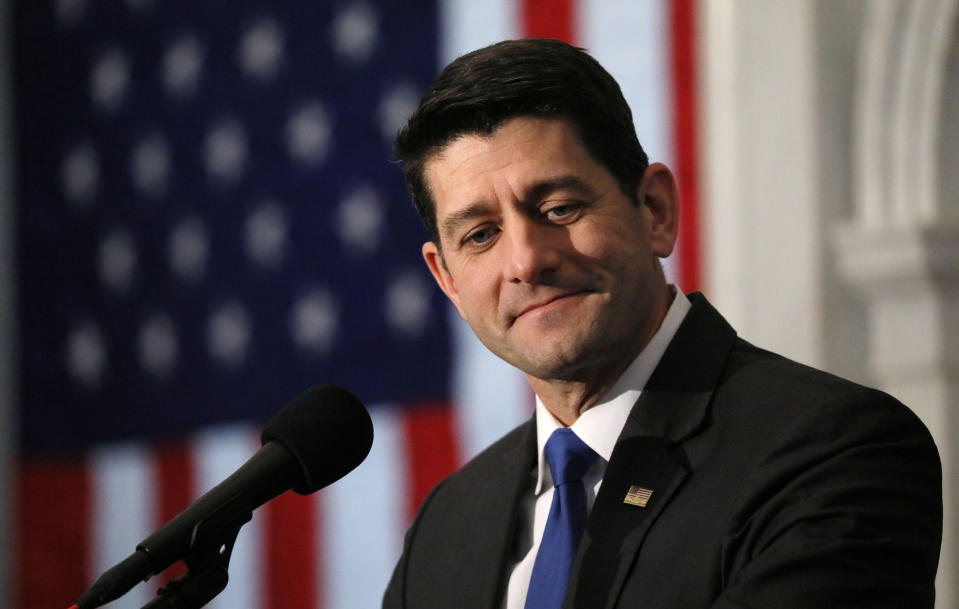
[[638, 496]]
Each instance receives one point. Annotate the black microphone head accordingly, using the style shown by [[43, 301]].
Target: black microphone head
[[329, 432]]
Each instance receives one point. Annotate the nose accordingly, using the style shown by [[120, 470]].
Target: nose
[[531, 252]]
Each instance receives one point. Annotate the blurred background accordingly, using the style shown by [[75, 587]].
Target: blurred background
[[199, 219]]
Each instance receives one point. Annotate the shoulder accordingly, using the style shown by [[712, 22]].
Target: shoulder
[[826, 470], [791, 430], [464, 525], [510, 456], [802, 433], [779, 391]]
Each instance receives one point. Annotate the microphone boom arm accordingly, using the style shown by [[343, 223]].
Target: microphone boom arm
[[207, 563]]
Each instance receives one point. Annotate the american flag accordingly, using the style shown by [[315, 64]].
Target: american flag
[[209, 222]]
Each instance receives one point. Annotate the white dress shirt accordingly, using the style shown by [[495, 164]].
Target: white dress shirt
[[598, 427]]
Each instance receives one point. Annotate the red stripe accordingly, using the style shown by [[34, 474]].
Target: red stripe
[[176, 489], [53, 547], [548, 19], [291, 553], [431, 448], [683, 26]]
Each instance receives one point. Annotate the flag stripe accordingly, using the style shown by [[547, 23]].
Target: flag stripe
[[490, 396], [176, 487], [629, 40], [364, 517], [467, 25], [549, 19], [431, 449], [291, 539], [219, 453], [53, 543], [682, 21], [123, 510]]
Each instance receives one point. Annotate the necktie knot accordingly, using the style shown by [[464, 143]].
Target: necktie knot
[[568, 457]]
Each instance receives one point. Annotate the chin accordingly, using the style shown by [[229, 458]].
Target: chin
[[559, 364]]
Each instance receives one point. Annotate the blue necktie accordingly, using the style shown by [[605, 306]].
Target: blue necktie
[[568, 459]]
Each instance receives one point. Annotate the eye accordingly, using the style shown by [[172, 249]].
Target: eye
[[561, 212], [479, 236]]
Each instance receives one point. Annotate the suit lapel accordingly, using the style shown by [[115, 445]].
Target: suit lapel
[[615, 530], [648, 456]]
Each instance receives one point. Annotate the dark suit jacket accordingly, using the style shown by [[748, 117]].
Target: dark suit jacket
[[774, 485]]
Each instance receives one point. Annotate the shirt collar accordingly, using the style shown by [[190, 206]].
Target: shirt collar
[[599, 427]]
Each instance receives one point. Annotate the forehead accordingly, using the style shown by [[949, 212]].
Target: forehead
[[518, 154]]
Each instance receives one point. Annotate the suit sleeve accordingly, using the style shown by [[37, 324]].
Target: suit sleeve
[[844, 511]]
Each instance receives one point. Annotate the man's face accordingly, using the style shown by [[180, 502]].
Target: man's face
[[551, 264]]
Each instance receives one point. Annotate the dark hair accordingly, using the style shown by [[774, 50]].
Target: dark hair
[[533, 77]]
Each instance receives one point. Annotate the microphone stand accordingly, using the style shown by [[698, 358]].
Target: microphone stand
[[207, 563]]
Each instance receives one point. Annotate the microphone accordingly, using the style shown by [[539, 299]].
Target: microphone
[[314, 441]]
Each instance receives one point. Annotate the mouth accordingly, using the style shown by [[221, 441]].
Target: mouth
[[548, 304]]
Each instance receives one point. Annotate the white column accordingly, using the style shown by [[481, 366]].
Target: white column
[[762, 237]]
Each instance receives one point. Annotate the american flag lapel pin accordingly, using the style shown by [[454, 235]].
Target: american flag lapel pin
[[638, 496]]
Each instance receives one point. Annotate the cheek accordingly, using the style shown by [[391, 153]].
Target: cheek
[[604, 247], [477, 294]]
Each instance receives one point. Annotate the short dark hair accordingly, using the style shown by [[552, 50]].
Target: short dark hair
[[540, 78]]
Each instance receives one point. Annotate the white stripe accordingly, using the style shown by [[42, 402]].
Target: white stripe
[[466, 25], [123, 511], [363, 519], [490, 397], [632, 41], [218, 453]]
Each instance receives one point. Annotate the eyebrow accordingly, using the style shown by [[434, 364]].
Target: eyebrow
[[460, 217], [534, 192], [541, 189]]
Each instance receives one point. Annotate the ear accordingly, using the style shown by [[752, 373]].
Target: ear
[[659, 196], [437, 266]]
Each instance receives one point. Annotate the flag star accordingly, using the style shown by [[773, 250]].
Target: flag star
[[189, 249], [355, 31], [117, 260], [261, 49], [70, 12], [158, 345], [407, 304], [80, 174], [110, 79], [396, 107], [308, 132], [313, 321], [183, 66], [266, 234], [226, 151], [359, 220], [86, 354], [150, 164], [228, 334]]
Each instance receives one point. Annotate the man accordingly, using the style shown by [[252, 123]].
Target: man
[[708, 472]]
